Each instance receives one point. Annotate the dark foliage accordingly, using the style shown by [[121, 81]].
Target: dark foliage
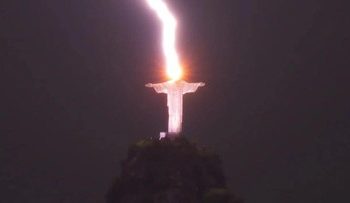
[[170, 171]]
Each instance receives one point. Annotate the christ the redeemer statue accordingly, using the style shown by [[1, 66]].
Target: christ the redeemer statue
[[175, 91]]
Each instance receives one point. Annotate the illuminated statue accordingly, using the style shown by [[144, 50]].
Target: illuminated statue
[[175, 91], [175, 88]]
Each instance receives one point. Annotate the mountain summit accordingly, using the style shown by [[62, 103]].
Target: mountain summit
[[170, 171]]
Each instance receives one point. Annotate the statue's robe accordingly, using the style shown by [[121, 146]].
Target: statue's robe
[[175, 92]]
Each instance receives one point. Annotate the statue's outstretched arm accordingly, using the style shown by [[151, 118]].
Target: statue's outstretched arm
[[158, 87], [192, 87], [149, 85]]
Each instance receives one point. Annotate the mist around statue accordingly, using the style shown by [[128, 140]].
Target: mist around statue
[[169, 168]]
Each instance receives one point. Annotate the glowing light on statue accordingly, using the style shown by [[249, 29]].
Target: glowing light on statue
[[175, 88], [173, 67]]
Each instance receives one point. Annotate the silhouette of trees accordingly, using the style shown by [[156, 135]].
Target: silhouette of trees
[[170, 171]]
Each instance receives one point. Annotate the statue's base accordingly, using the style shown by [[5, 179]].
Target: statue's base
[[168, 135]]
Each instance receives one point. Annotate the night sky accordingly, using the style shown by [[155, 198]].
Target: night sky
[[275, 107]]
